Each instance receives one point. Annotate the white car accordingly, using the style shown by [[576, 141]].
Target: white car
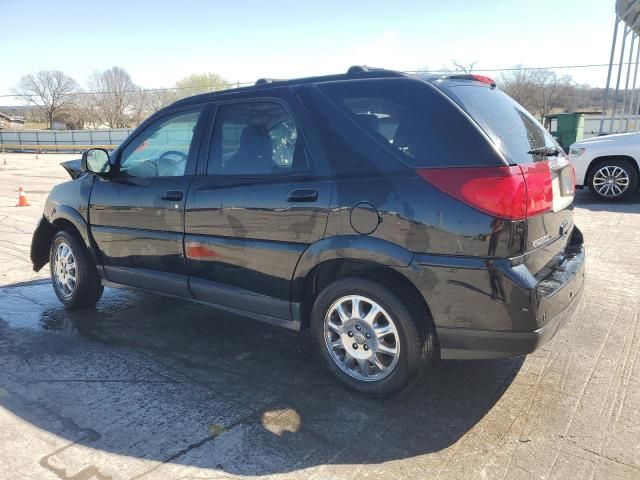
[[608, 165]]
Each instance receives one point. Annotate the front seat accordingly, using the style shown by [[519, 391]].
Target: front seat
[[255, 155], [369, 121]]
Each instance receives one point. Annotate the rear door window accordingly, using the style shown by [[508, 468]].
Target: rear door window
[[414, 120], [256, 138], [511, 127]]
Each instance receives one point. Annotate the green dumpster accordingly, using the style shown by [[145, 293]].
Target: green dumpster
[[566, 128]]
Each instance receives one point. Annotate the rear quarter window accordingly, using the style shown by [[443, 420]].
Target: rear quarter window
[[413, 121]]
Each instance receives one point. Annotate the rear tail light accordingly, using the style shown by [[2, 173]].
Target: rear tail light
[[570, 185], [537, 178], [511, 193]]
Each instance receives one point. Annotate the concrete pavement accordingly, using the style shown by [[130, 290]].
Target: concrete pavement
[[156, 388]]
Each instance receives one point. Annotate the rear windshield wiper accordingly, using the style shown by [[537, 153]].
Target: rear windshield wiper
[[545, 151]]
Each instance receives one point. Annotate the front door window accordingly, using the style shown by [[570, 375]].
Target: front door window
[[162, 149]]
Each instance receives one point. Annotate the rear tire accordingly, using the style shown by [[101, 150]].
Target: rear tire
[[613, 180], [73, 273], [368, 337]]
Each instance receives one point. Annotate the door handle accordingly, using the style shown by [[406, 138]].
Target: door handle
[[172, 195], [303, 196]]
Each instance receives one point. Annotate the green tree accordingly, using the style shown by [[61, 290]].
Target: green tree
[[201, 83]]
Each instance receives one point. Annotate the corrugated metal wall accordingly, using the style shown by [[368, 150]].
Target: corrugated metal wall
[[27, 139]]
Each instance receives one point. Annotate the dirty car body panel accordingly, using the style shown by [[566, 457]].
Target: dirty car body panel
[[494, 286]]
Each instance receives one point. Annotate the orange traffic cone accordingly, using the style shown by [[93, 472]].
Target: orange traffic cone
[[22, 198]]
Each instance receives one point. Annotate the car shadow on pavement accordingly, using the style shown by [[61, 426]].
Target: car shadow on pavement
[[587, 200], [153, 378]]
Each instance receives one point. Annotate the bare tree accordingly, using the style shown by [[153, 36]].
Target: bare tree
[[116, 98], [539, 91], [50, 90], [518, 84], [462, 67], [158, 99], [79, 113], [548, 88], [138, 111]]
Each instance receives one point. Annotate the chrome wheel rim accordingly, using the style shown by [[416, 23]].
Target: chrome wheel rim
[[611, 181], [64, 270], [361, 338]]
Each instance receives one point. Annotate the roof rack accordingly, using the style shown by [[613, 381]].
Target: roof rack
[[357, 70], [265, 81], [364, 69]]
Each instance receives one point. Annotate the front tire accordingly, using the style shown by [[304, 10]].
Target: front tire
[[613, 180], [73, 274], [367, 336]]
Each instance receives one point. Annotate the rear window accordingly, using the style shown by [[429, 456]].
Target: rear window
[[511, 127], [413, 120]]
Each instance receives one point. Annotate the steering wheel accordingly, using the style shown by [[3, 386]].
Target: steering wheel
[[170, 165], [182, 155]]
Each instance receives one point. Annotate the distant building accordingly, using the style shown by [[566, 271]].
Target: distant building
[[10, 123]]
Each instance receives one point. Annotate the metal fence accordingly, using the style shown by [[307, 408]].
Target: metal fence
[[627, 16], [61, 140], [619, 124]]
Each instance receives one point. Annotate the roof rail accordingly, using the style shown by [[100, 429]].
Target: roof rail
[[265, 81], [363, 69]]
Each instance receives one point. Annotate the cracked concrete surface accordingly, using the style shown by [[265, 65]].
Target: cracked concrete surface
[[154, 388]]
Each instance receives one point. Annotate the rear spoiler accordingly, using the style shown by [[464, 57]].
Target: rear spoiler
[[73, 168], [470, 76]]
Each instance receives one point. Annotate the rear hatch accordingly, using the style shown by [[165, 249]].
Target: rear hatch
[[525, 144]]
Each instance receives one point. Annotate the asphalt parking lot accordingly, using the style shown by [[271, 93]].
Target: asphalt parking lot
[[155, 388]]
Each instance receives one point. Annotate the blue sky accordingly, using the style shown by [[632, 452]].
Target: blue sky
[[160, 41]]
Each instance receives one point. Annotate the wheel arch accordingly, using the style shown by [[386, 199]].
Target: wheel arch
[[603, 158], [359, 256], [61, 218], [66, 217]]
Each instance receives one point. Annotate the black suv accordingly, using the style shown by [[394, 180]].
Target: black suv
[[400, 218]]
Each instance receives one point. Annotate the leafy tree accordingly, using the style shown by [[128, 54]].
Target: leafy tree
[[201, 83]]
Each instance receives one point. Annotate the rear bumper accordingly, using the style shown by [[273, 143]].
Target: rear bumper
[[513, 313], [459, 343]]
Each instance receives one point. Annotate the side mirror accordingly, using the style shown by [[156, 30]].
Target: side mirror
[[96, 160]]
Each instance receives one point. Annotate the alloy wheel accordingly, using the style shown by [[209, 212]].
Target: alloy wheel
[[611, 181], [65, 270], [361, 338]]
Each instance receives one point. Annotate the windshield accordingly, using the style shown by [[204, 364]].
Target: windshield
[[511, 127]]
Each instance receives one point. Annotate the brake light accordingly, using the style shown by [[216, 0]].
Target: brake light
[[537, 177], [484, 79], [472, 76], [511, 193], [570, 185]]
